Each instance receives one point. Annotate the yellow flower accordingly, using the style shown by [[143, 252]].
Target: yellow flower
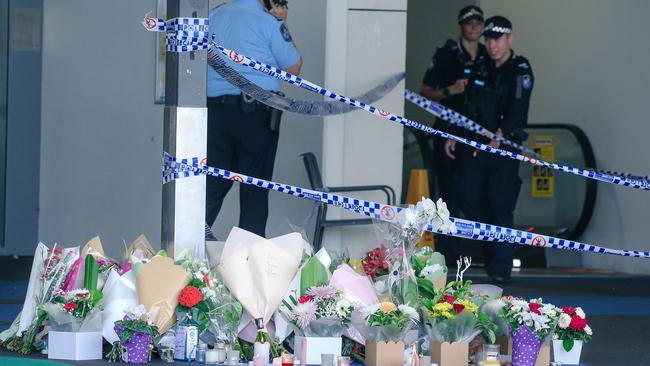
[[469, 306], [442, 306], [387, 307], [447, 314], [356, 265]]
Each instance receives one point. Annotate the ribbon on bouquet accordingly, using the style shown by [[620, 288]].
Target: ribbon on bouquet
[[458, 119], [182, 34], [176, 168], [305, 84]]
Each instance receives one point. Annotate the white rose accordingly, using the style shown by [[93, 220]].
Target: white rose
[[588, 330], [564, 321], [580, 313]]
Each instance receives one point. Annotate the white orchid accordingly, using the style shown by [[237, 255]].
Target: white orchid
[[442, 210]]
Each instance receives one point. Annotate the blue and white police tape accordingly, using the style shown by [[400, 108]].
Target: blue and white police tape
[[182, 34], [458, 119], [312, 108], [305, 84], [174, 168]]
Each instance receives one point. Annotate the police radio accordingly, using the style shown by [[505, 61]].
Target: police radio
[[269, 6]]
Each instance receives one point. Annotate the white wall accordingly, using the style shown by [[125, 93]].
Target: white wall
[[590, 63], [364, 47], [101, 132]]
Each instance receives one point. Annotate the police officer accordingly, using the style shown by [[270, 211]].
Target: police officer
[[452, 67], [490, 184], [242, 133]]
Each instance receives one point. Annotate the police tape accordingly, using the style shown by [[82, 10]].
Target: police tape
[[182, 34], [305, 84], [458, 119], [174, 168], [312, 108]]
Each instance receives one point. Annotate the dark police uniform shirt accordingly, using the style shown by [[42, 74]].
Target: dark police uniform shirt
[[450, 63], [500, 98]]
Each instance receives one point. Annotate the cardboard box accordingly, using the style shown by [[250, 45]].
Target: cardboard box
[[384, 353], [317, 346], [75, 346], [449, 354], [543, 358]]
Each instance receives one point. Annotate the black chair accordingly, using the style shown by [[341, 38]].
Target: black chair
[[316, 182]]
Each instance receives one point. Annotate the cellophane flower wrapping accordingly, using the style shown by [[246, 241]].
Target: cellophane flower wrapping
[[385, 322], [401, 236]]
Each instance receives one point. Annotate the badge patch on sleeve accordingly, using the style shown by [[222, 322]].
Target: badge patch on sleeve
[[285, 33], [527, 82]]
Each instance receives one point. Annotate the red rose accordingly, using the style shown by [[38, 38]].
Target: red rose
[[58, 250], [534, 307], [190, 296], [569, 310], [450, 299], [305, 298], [577, 323], [69, 307], [458, 308]]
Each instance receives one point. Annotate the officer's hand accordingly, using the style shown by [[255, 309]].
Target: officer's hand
[[494, 143], [458, 87], [450, 147], [280, 11]]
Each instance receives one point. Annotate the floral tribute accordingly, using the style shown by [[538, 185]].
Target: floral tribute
[[572, 326]]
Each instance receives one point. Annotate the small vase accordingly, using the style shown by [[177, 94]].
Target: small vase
[[525, 347], [572, 357], [136, 349]]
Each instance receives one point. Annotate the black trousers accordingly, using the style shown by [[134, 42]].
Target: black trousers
[[490, 187], [242, 142], [443, 171]]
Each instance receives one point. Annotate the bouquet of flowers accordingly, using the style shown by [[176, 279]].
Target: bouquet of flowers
[[530, 322], [430, 271], [389, 322], [402, 237], [374, 263], [49, 269], [452, 316], [136, 331], [205, 298], [322, 311], [572, 326]]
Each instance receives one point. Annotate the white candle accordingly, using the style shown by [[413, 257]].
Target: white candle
[[211, 356]]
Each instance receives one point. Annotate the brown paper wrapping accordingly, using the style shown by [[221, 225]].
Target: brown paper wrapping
[[449, 354], [142, 244], [94, 247], [159, 283], [384, 353]]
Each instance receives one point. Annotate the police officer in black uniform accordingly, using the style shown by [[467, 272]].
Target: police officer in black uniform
[[452, 68], [490, 184]]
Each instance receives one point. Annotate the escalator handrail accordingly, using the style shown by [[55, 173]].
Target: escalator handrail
[[590, 163]]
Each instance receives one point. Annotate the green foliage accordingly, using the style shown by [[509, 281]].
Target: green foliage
[[313, 274]]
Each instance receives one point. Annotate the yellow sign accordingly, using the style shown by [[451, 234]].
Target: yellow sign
[[542, 181]]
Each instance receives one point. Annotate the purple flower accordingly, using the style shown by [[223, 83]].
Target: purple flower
[[304, 313], [322, 291]]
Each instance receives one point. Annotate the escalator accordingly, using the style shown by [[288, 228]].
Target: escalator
[[550, 202]]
